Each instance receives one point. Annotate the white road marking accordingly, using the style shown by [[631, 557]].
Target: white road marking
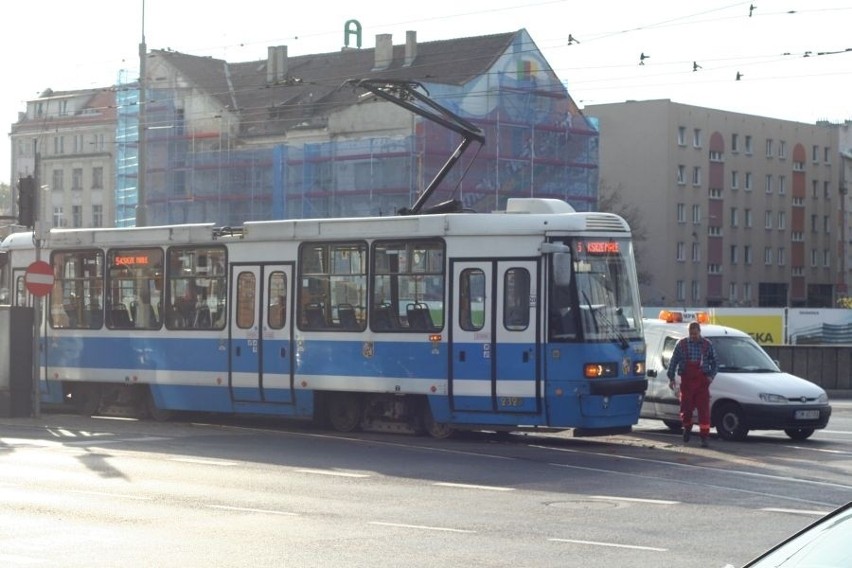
[[333, 473], [106, 494], [95, 442], [635, 500], [15, 560], [420, 527], [468, 486], [610, 544], [251, 510], [795, 511], [204, 462]]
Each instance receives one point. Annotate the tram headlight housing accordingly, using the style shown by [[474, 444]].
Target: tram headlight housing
[[600, 370]]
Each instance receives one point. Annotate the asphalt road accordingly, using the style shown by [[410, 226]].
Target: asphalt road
[[106, 492]]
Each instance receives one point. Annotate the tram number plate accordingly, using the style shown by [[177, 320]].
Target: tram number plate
[[807, 414]]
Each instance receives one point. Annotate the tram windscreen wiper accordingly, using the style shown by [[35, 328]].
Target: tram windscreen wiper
[[608, 326]]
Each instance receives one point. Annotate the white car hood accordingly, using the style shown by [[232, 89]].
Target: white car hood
[[753, 384]]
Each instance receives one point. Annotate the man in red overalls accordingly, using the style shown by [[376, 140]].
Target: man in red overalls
[[694, 359]]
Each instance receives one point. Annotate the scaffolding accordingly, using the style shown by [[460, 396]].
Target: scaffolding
[[538, 144]]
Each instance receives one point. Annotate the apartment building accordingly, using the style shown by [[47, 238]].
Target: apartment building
[[739, 210], [66, 140]]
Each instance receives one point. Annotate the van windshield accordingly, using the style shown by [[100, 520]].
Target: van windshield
[[742, 355]]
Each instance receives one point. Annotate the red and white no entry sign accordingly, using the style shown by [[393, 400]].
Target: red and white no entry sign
[[39, 278]]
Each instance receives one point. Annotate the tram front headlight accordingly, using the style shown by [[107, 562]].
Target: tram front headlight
[[600, 370]]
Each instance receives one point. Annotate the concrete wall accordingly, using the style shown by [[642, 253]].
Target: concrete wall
[[828, 366]]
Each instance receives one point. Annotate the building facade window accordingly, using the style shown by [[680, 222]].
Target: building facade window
[[748, 145], [782, 220], [696, 214], [733, 257], [97, 177], [681, 175], [768, 184], [696, 138], [97, 215], [76, 216], [681, 251], [767, 256], [681, 213], [734, 217], [735, 179], [769, 143], [748, 181], [58, 181], [680, 286], [696, 290], [696, 252], [747, 219], [747, 254], [735, 143], [77, 178], [767, 217], [696, 175], [782, 256], [782, 185], [58, 217]]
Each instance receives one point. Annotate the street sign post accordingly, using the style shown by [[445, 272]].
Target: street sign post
[[39, 278]]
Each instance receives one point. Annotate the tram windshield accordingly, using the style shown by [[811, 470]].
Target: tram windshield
[[599, 299]]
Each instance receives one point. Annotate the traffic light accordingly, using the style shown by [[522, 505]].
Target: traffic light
[[26, 201]]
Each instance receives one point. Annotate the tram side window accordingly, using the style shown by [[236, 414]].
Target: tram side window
[[77, 299], [134, 297], [333, 286], [472, 299], [516, 299], [197, 291], [408, 285], [277, 310]]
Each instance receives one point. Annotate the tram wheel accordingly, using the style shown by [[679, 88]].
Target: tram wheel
[[438, 430], [86, 399], [156, 413], [344, 412]]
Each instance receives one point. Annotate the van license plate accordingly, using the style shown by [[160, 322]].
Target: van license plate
[[807, 414]]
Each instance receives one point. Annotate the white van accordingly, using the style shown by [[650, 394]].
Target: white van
[[749, 392]]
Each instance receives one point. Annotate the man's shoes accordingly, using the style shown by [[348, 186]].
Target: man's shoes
[[686, 435], [704, 443]]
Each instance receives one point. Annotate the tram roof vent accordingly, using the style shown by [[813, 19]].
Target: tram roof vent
[[537, 205]]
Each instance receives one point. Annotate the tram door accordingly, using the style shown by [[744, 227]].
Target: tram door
[[261, 333], [495, 336]]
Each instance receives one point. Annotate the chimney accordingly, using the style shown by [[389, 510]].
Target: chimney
[[384, 51], [410, 47], [276, 64]]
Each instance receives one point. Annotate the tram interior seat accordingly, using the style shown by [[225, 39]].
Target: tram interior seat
[[315, 315], [419, 317], [346, 314], [384, 318], [119, 317]]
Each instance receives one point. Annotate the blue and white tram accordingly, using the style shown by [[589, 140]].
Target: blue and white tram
[[528, 318]]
